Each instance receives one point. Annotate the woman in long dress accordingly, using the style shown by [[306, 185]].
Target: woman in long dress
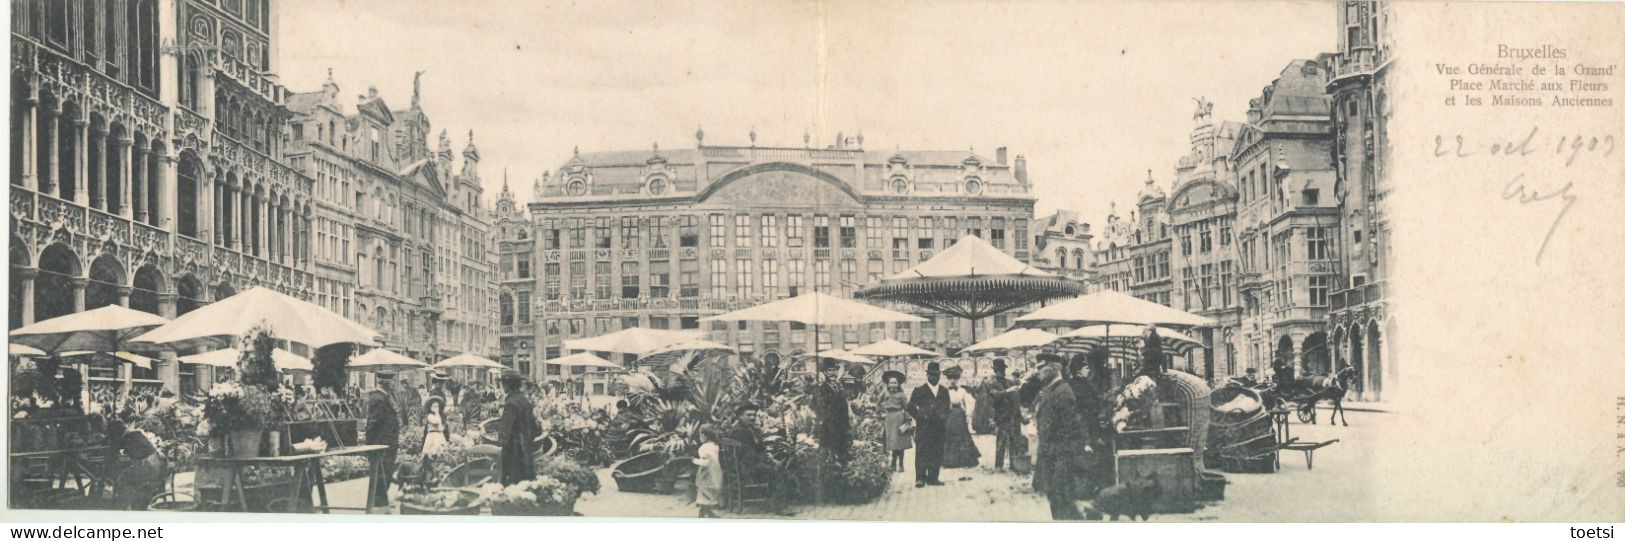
[[708, 477], [959, 449], [435, 430], [893, 407]]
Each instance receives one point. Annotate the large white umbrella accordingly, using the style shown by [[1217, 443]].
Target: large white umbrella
[[383, 360], [635, 341], [817, 308], [105, 359], [582, 359], [1015, 339], [693, 350], [19, 350], [890, 348], [227, 358], [221, 323], [469, 360], [1124, 340], [1110, 308], [107, 329], [840, 355]]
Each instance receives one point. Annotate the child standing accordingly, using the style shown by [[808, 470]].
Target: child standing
[[708, 480]]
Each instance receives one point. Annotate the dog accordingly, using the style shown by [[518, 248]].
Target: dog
[[1135, 501]]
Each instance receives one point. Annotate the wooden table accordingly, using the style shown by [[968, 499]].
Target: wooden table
[[307, 472], [76, 463]]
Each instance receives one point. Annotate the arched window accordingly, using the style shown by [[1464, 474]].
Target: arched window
[[1060, 258], [186, 194], [1077, 258], [378, 268]]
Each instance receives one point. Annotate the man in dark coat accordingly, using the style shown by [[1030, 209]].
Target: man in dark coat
[[834, 414], [928, 405], [517, 431], [1006, 415], [383, 428], [1058, 468]]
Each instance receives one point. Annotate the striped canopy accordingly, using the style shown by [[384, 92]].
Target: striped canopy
[[1124, 340]]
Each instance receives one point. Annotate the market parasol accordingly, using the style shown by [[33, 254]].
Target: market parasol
[[583, 359], [107, 359], [634, 341], [693, 350], [1110, 308], [891, 348], [19, 350], [106, 329], [839, 355], [227, 358], [973, 280], [1124, 340], [1015, 339], [469, 360], [816, 309], [383, 360], [220, 324]]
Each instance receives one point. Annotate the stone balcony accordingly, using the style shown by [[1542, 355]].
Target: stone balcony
[[1357, 296]]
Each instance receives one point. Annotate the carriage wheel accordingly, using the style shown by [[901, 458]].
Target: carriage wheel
[[1306, 413]]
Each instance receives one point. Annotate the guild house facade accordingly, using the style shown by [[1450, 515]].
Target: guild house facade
[[661, 238], [158, 164], [1277, 227]]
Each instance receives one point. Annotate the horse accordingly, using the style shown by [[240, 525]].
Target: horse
[[1330, 387]]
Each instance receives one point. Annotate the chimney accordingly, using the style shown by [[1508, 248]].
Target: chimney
[[1003, 154], [1021, 167]]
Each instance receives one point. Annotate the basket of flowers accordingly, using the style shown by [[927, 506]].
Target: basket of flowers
[[440, 501], [540, 497]]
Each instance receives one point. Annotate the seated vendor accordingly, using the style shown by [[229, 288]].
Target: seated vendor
[[137, 467]]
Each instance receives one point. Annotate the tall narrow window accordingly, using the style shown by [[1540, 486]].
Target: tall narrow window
[[742, 231], [719, 231], [770, 231], [629, 280]]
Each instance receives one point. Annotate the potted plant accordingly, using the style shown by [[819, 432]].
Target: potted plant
[[238, 416]]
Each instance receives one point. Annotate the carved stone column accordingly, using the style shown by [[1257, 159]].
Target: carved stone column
[[98, 141], [78, 285], [30, 135], [166, 190], [123, 295], [166, 304], [50, 170], [81, 154], [126, 181], [25, 277]]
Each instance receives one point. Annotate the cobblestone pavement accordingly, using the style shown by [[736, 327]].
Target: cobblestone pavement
[[1334, 491]]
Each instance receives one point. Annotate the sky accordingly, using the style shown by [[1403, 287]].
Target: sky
[[1094, 94]]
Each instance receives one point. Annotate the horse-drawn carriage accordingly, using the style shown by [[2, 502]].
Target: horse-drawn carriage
[[1301, 395]]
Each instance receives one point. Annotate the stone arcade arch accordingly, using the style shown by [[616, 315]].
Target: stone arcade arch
[[54, 285]]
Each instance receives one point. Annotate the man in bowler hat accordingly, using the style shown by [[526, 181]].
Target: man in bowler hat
[[1006, 415], [929, 406], [1059, 470], [516, 430], [383, 428]]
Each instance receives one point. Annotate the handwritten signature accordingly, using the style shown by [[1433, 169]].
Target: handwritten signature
[[1516, 189]]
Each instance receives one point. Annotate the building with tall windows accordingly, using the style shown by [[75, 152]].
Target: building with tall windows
[[1286, 220], [661, 238], [1201, 213], [403, 242], [148, 167], [1361, 301], [1061, 246], [1279, 224], [157, 164]]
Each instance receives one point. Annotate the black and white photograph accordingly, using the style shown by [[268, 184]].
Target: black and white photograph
[[891, 261]]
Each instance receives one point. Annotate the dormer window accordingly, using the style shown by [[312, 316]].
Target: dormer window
[[657, 186], [1071, 230], [973, 186], [899, 185], [576, 187]]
